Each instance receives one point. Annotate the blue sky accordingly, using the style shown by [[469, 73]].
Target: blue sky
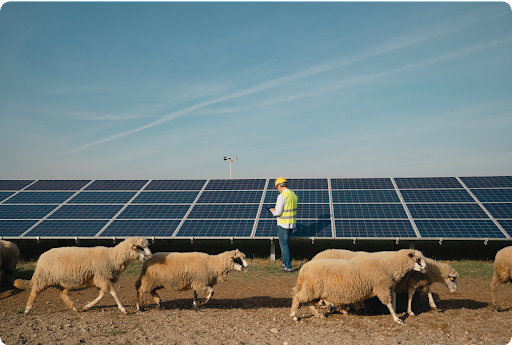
[[301, 90]]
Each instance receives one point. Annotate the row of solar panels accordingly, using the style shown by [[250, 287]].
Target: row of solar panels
[[444, 207]]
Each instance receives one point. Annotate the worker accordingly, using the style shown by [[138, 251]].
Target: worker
[[286, 213]]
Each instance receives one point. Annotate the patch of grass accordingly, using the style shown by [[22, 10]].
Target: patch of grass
[[20, 311], [473, 268], [133, 268]]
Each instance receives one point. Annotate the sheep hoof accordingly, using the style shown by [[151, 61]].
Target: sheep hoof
[[435, 310], [411, 314], [400, 322], [296, 319]]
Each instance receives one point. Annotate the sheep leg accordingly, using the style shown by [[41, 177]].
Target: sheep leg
[[393, 314], [64, 295], [156, 297], [195, 304], [494, 284], [210, 294], [295, 307], [393, 298], [31, 298], [409, 302], [387, 301], [100, 296], [431, 299], [118, 301]]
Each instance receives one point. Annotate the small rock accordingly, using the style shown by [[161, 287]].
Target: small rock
[[274, 330]]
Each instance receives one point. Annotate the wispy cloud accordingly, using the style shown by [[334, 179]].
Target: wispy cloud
[[439, 29]]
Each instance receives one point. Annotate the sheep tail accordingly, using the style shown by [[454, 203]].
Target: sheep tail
[[23, 284]]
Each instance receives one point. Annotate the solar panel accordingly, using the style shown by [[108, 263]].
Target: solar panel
[[25, 211], [175, 185], [14, 184], [369, 211], [39, 198], [5, 195], [364, 196], [446, 211], [304, 183], [58, 185], [86, 212], [305, 196], [361, 183], [427, 182], [488, 181], [438, 195], [223, 211], [165, 197], [245, 197], [144, 228], [374, 228], [305, 228], [493, 195], [117, 185], [236, 184], [500, 210], [506, 225], [85, 197], [15, 228], [216, 228], [308, 211], [464, 228], [67, 228], [154, 212]]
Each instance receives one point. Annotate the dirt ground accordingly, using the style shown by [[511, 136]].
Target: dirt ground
[[250, 308]]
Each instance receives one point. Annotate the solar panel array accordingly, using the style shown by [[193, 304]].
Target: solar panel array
[[342, 208]]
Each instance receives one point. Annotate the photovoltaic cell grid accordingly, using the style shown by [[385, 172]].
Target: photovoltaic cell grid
[[440, 207]]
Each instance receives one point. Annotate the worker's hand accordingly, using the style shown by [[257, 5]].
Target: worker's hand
[[272, 210]]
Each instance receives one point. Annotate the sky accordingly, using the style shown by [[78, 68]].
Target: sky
[[166, 90]]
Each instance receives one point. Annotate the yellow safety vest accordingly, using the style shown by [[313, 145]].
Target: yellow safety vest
[[289, 215]]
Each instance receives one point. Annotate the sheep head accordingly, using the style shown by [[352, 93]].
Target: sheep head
[[419, 264], [140, 248], [451, 280], [237, 259]]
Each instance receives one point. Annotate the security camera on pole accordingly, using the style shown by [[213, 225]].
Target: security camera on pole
[[230, 161]]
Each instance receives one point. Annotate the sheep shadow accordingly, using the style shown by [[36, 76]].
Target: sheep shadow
[[12, 291], [257, 302]]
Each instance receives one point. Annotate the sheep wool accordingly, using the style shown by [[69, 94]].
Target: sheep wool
[[502, 271], [70, 268], [187, 271], [9, 256], [350, 281]]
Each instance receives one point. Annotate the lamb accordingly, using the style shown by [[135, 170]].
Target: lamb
[[70, 268], [350, 281], [502, 271], [185, 271], [412, 281], [9, 256]]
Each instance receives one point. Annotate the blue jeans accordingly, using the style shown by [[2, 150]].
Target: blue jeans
[[284, 236]]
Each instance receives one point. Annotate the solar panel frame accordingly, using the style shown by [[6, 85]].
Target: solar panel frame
[[102, 197], [506, 224], [5, 195], [499, 210]]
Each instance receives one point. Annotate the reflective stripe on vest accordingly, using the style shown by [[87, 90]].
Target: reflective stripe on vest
[[289, 215]]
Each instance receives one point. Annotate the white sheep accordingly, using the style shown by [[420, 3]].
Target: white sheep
[[350, 281], [502, 271], [70, 268], [9, 256], [412, 281], [186, 271]]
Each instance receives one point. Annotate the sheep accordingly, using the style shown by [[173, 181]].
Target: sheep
[[412, 281], [349, 281], [185, 271], [70, 268], [502, 271], [9, 256]]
